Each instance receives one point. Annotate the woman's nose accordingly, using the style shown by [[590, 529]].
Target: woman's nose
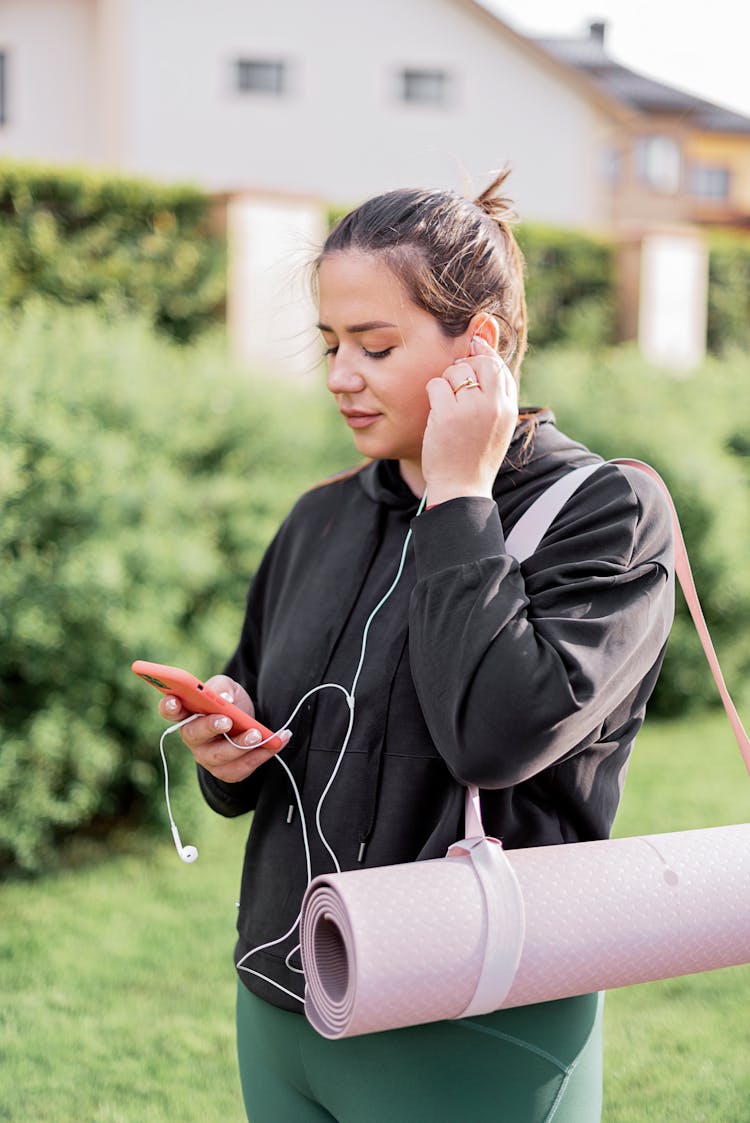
[[343, 377]]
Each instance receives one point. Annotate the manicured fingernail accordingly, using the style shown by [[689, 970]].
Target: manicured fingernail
[[251, 738], [226, 696], [222, 724], [171, 704], [285, 736]]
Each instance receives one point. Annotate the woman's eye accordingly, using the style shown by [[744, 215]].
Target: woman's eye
[[377, 354], [368, 354]]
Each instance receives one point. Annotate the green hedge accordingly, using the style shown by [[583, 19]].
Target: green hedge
[[570, 287], [729, 292], [140, 482], [125, 244], [131, 245]]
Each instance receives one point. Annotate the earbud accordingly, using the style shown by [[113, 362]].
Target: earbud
[[187, 853], [486, 327]]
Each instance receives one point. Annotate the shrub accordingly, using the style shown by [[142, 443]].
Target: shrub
[[728, 292], [141, 482], [124, 244], [570, 287]]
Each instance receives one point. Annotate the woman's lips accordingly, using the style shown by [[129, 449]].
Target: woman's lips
[[358, 420]]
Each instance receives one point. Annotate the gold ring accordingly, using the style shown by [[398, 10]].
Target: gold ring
[[467, 384]]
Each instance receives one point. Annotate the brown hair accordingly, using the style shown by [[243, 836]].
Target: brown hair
[[454, 257]]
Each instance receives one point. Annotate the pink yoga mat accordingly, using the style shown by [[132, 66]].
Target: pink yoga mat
[[402, 945]]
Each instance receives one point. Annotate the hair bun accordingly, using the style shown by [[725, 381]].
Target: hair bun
[[498, 207]]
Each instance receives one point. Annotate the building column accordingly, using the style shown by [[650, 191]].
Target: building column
[[271, 314], [663, 294]]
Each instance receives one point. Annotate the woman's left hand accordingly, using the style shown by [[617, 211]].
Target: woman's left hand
[[473, 415]]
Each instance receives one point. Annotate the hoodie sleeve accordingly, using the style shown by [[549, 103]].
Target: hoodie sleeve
[[517, 666]]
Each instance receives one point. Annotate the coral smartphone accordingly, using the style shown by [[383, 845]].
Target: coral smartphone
[[199, 699]]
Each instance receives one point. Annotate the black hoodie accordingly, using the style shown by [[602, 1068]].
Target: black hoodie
[[529, 681]]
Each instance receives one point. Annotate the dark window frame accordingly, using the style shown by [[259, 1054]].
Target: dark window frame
[[410, 78], [709, 173], [267, 77], [612, 165]]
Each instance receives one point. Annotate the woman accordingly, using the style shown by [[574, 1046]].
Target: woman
[[529, 681]]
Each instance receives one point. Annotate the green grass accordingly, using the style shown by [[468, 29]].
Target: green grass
[[118, 987], [678, 1049], [118, 990]]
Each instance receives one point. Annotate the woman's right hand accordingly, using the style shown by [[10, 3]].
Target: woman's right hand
[[205, 736]]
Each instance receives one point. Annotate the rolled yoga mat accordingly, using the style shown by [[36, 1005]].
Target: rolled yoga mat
[[402, 945]]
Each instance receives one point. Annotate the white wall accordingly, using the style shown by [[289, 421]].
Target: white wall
[[51, 80], [115, 77]]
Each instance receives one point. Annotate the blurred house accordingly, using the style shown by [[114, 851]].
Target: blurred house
[[336, 99], [681, 159], [311, 103], [680, 167]]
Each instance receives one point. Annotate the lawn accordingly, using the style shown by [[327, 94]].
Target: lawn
[[678, 1049], [118, 988]]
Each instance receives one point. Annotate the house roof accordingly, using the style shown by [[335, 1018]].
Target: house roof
[[570, 75], [588, 55]]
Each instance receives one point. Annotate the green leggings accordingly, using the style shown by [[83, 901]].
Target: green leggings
[[533, 1064]]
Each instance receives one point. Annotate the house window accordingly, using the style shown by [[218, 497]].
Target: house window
[[611, 166], [3, 88], [709, 181], [262, 76], [424, 87], [659, 163]]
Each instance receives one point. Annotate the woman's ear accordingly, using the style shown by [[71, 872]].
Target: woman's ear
[[485, 326]]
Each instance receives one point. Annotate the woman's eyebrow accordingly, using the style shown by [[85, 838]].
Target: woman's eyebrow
[[356, 329]]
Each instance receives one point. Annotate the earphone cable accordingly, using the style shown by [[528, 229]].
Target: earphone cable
[[350, 698]]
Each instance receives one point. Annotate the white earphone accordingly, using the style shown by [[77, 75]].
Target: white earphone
[[187, 853]]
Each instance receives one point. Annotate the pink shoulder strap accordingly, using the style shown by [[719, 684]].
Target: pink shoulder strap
[[685, 577], [523, 541]]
